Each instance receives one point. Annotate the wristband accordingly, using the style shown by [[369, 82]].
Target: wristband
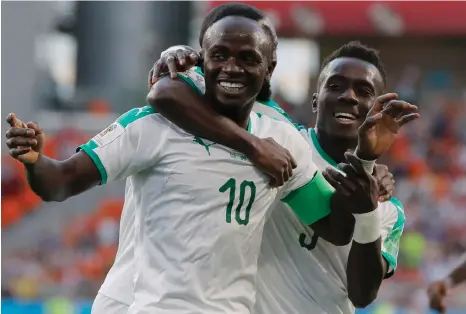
[[367, 227]]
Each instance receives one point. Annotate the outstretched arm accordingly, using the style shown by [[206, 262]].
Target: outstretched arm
[[439, 289], [181, 104], [50, 179]]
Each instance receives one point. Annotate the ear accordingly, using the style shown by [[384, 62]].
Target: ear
[[314, 102], [270, 69]]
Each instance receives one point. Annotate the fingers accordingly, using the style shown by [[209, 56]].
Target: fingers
[[157, 71], [16, 152], [380, 102], [357, 165], [20, 132], [171, 64], [408, 118], [13, 121], [338, 181], [34, 126], [182, 55], [397, 108], [291, 159], [20, 141], [193, 57]]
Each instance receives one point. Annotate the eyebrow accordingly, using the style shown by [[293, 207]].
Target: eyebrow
[[360, 81]]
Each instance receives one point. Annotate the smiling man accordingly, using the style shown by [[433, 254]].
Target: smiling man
[[299, 271]]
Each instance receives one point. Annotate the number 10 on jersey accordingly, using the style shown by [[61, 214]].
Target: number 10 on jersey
[[245, 187]]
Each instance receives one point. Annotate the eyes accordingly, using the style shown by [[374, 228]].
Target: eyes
[[361, 90], [247, 58]]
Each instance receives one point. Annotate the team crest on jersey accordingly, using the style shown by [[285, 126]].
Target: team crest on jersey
[[203, 142], [109, 134]]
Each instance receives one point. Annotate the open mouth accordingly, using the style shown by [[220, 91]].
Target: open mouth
[[345, 117], [231, 87]]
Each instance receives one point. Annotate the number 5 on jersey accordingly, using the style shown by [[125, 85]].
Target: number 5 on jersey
[[241, 218]]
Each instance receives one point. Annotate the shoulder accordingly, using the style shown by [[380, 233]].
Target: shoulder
[[283, 133]]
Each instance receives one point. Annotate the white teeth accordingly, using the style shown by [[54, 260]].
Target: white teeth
[[345, 116], [231, 86]]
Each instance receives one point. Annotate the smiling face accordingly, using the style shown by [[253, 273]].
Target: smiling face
[[348, 89], [237, 58]]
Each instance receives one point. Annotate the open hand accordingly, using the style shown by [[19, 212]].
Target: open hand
[[384, 120], [175, 59]]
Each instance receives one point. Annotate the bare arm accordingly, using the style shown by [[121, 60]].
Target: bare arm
[[458, 275], [50, 179], [180, 104], [365, 271], [55, 180]]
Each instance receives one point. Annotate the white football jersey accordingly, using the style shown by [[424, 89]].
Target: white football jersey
[[200, 211], [302, 273], [118, 283]]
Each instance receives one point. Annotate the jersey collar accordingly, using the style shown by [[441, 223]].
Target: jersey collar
[[319, 148]]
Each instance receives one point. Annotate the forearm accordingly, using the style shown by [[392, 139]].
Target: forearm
[[179, 104], [336, 228], [365, 272], [55, 180], [458, 275]]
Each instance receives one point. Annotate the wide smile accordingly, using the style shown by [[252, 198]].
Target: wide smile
[[231, 87], [345, 118]]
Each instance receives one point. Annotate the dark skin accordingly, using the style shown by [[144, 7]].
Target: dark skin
[[55, 180], [51, 179], [351, 86], [438, 290], [331, 228], [198, 120], [348, 86]]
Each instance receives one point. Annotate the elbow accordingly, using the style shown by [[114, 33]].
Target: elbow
[[362, 300], [162, 94], [49, 197]]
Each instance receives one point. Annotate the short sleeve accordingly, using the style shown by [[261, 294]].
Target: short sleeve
[[392, 225], [307, 192], [129, 145]]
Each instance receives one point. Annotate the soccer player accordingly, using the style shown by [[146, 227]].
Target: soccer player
[[200, 206], [439, 289], [314, 275]]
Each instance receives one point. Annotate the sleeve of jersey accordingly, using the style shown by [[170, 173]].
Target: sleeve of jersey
[[194, 78], [392, 224], [307, 192], [126, 147]]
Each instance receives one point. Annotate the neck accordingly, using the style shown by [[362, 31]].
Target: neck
[[239, 114], [334, 146]]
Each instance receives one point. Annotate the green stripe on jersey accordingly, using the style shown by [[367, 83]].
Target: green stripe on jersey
[[124, 120], [311, 202], [272, 104], [88, 148], [392, 241], [134, 114]]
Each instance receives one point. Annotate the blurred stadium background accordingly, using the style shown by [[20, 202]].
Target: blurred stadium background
[[75, 66]]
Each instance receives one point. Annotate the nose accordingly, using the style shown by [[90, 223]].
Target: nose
[[231, 67], [349, 97]]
